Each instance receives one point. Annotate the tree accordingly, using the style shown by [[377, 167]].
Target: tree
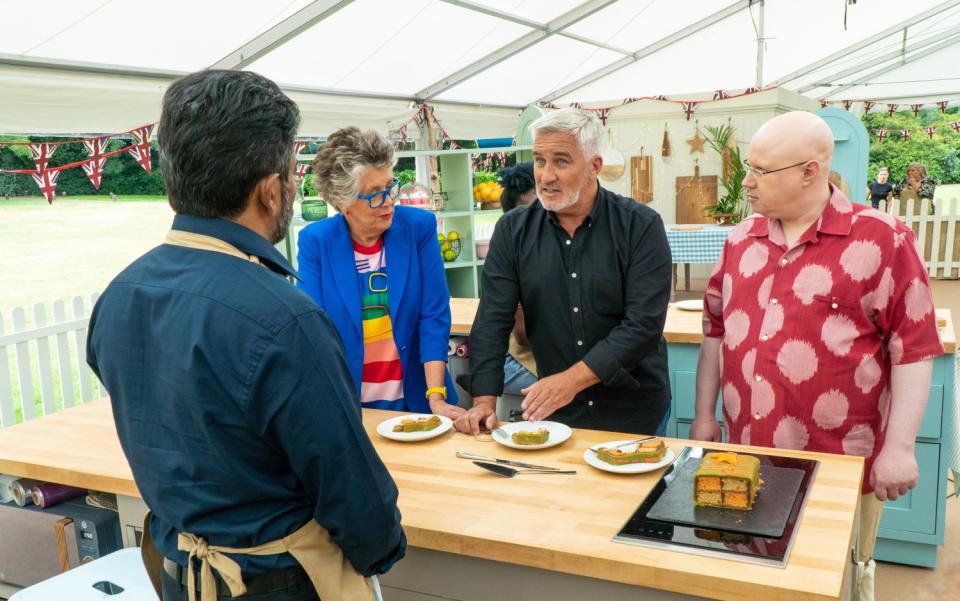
[[940, 155]]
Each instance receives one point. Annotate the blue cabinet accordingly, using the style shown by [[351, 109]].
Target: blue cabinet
[[912, 526]]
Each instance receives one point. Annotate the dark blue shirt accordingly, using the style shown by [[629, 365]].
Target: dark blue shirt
[[234, 405]]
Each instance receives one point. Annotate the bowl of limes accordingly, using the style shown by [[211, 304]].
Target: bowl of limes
[[449, 245]]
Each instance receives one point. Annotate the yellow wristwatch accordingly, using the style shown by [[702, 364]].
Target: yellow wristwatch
[[438, 389]]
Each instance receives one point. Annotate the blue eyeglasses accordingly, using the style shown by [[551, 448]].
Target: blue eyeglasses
[[379, 198]]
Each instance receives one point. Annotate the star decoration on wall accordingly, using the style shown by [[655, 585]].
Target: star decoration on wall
[[696, 142]]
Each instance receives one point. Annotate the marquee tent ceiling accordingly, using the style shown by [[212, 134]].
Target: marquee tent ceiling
[[82, 66]]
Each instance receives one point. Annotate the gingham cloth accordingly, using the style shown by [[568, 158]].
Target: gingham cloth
[[698, 246]]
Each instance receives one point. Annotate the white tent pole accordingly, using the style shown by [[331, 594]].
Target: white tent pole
[[946, 43], [866, 42], [486, 10], [519, 45], [280, 34], [899, 52], [760, 43], [648, 50]]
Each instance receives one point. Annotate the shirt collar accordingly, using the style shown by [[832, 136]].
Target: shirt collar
[[591, 217], [835, 219], [243, 238]]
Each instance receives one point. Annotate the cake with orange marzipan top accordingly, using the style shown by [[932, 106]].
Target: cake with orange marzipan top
[[420, 424], [649, 451], [727, 480]]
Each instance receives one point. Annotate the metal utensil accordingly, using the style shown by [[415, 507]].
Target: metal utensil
[[626, 444], [465, 455], [509, 472]]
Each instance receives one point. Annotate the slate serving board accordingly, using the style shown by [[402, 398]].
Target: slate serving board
[[768, 518]]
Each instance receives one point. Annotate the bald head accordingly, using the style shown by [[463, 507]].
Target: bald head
[[795, 136]]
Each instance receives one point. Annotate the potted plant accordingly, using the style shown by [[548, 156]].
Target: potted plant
[[730, 208]]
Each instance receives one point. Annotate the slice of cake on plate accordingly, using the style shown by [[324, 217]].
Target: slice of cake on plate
[[650, 451], [530, 436], [420, 424]]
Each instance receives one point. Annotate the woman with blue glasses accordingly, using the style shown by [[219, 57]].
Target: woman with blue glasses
[[376, 269]]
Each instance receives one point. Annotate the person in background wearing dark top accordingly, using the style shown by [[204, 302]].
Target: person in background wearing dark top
[[519, 369], [592, 271], [231, 395], [917, 184], [880, 189]]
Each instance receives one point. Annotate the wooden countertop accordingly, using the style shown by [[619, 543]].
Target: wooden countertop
[[560, 523], [683, 327]]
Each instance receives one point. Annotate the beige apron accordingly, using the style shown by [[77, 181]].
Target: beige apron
[[332, 574]]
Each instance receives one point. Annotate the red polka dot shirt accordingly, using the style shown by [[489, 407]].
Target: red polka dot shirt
[[809, 334]]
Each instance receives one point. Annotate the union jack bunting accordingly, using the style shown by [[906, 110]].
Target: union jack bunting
[[867, 105], [576, 105], [892, 108], [96, 148], [47, 182], [943, 105], [823, 104], [302, 169], [930, 130], [298, 147], [720, 95], [141, 150], [881, 135], [689, 106], [42, 152], [660, 97], [956, 126], [603, 114], [629, 100], [751, 90], [905, 134], [847, 104], [916, 109]]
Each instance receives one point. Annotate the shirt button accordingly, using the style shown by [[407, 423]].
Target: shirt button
[[774, 301], [758, 378], [764, 338], [834, 305], [573, 275], [756, 416], [579, 342], [783, 262], [589, 403], [568, 243], [576, 309]]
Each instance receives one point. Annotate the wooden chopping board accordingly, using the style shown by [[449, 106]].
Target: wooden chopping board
[[693, 194]]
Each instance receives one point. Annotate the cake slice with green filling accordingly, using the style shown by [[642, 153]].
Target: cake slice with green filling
[[420, 424], [650, 451], [531, 436]]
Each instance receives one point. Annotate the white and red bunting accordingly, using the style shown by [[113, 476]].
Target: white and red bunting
[[47, 182], [930, 131], [956, 126], [298, 147], [301, 169], [905, 134], [689, 106], [881, 135], [96, 149], [42, 153], [141, 150]]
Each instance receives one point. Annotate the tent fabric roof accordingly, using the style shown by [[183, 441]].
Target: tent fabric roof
[[102, 65]]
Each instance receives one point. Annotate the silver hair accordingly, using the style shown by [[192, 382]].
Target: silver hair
[[341, 161], [583, 125]]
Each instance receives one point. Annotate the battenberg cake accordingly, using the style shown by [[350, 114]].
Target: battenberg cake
[[650, 451], [420, 424], [727, 480], [530, 437]]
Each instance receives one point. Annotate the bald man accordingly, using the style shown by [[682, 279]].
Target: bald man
[[818, 323]]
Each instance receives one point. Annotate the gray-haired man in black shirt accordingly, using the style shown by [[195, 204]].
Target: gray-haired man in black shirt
[[592, 272]]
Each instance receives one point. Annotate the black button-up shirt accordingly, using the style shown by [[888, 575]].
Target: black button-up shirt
[[234, 405], [599, 297]]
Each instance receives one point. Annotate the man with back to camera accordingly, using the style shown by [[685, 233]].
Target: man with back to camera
[[229, 387], [592, 270]]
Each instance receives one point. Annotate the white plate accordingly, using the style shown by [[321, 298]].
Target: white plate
[[630, 468], [558, 433], [385, 428], [689, 305]]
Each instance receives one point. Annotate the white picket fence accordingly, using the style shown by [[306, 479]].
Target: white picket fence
[[58, 340], [936, 227]]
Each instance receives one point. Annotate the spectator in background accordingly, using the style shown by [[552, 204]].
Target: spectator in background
[[917, 184], [880, 188], [520, 369]]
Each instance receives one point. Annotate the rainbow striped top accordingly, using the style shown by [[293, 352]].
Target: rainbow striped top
[[382, 380]]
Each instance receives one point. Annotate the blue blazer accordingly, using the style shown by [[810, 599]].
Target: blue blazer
[[417, 292]]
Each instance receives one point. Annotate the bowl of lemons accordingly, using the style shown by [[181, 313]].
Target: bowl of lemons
[[449, 245]]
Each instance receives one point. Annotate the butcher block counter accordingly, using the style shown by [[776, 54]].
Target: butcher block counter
[[476, 535]]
